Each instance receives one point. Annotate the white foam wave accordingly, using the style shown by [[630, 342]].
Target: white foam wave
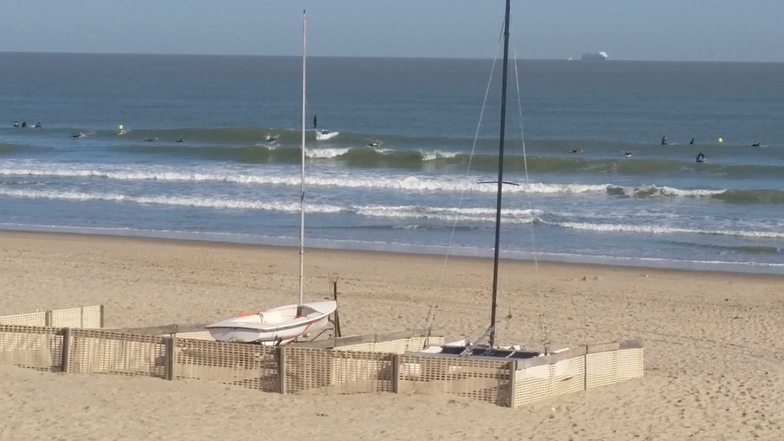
[[323, 135], [354, 180], [325, 153], [514, 216], [169, 200], [653, 190], [269, 146], [436, 154], [411, 183], [651, 229]]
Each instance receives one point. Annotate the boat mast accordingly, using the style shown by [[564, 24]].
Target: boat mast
[[500, 176], [302, 173]]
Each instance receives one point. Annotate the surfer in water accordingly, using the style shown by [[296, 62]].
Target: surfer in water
[[627, 153], [180, 140], [700, 157], [664, 140], [16, 124], [756, 144], [373, 144], [577, 151], [691, 142], [270, 139], [315, 121]]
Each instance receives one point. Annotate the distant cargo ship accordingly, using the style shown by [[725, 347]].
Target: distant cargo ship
[[594, 56]]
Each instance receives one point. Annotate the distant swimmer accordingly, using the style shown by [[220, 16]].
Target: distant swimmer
[[150, 139], [24, 123], [756, 144], [700, 157], [16, 124], [325, 132], [180, 140], [373, 144], [37, 125], [120, 130], [664, 140], [270, 139], [315, 121], [691, 142], [77, 135], [628, 154], [577, 150]]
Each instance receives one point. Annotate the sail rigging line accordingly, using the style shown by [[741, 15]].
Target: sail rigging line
[[471, 155], [545, 340]]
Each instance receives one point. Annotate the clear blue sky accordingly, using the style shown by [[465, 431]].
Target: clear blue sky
[[692, 30]]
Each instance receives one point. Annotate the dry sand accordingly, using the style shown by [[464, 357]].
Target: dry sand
[[713, 361]]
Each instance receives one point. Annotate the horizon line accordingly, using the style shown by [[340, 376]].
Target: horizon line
[[376, 57]]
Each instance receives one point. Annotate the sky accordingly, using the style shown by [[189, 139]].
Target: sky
[[675, 30]]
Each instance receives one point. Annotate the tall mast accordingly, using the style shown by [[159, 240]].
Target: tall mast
[[302, 173], [500, 176]]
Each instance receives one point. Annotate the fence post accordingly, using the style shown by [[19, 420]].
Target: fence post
[[282, 369], [48, 318], [512, 366], [170, 358], [585, 369], [66, 354], [396, 373], [102, 326]]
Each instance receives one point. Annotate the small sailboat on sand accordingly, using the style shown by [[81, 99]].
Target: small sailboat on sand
[[284, 324]]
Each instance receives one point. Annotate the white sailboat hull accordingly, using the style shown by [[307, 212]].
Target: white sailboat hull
[[275, 326]]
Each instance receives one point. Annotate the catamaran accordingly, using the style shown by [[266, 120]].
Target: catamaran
[[490, 349]]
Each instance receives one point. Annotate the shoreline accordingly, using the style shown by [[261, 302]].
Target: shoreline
[[397, 249]]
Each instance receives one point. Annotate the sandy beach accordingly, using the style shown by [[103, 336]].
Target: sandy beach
[[713, 364]]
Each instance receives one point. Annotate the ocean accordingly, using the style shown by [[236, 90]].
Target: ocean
[[416, 143]]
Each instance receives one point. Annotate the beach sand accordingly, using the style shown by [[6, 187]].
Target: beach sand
[[714, 367]]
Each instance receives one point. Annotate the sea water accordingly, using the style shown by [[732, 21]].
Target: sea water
[[413, 167]]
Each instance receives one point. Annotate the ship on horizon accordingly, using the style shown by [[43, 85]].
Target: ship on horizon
[[594, 56]]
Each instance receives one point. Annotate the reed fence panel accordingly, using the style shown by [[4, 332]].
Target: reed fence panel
[[478, 379], [32, 347], [105, 352], [239, 364], [85, 317]]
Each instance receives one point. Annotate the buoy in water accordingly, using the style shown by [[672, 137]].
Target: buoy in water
[[720, 140]]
